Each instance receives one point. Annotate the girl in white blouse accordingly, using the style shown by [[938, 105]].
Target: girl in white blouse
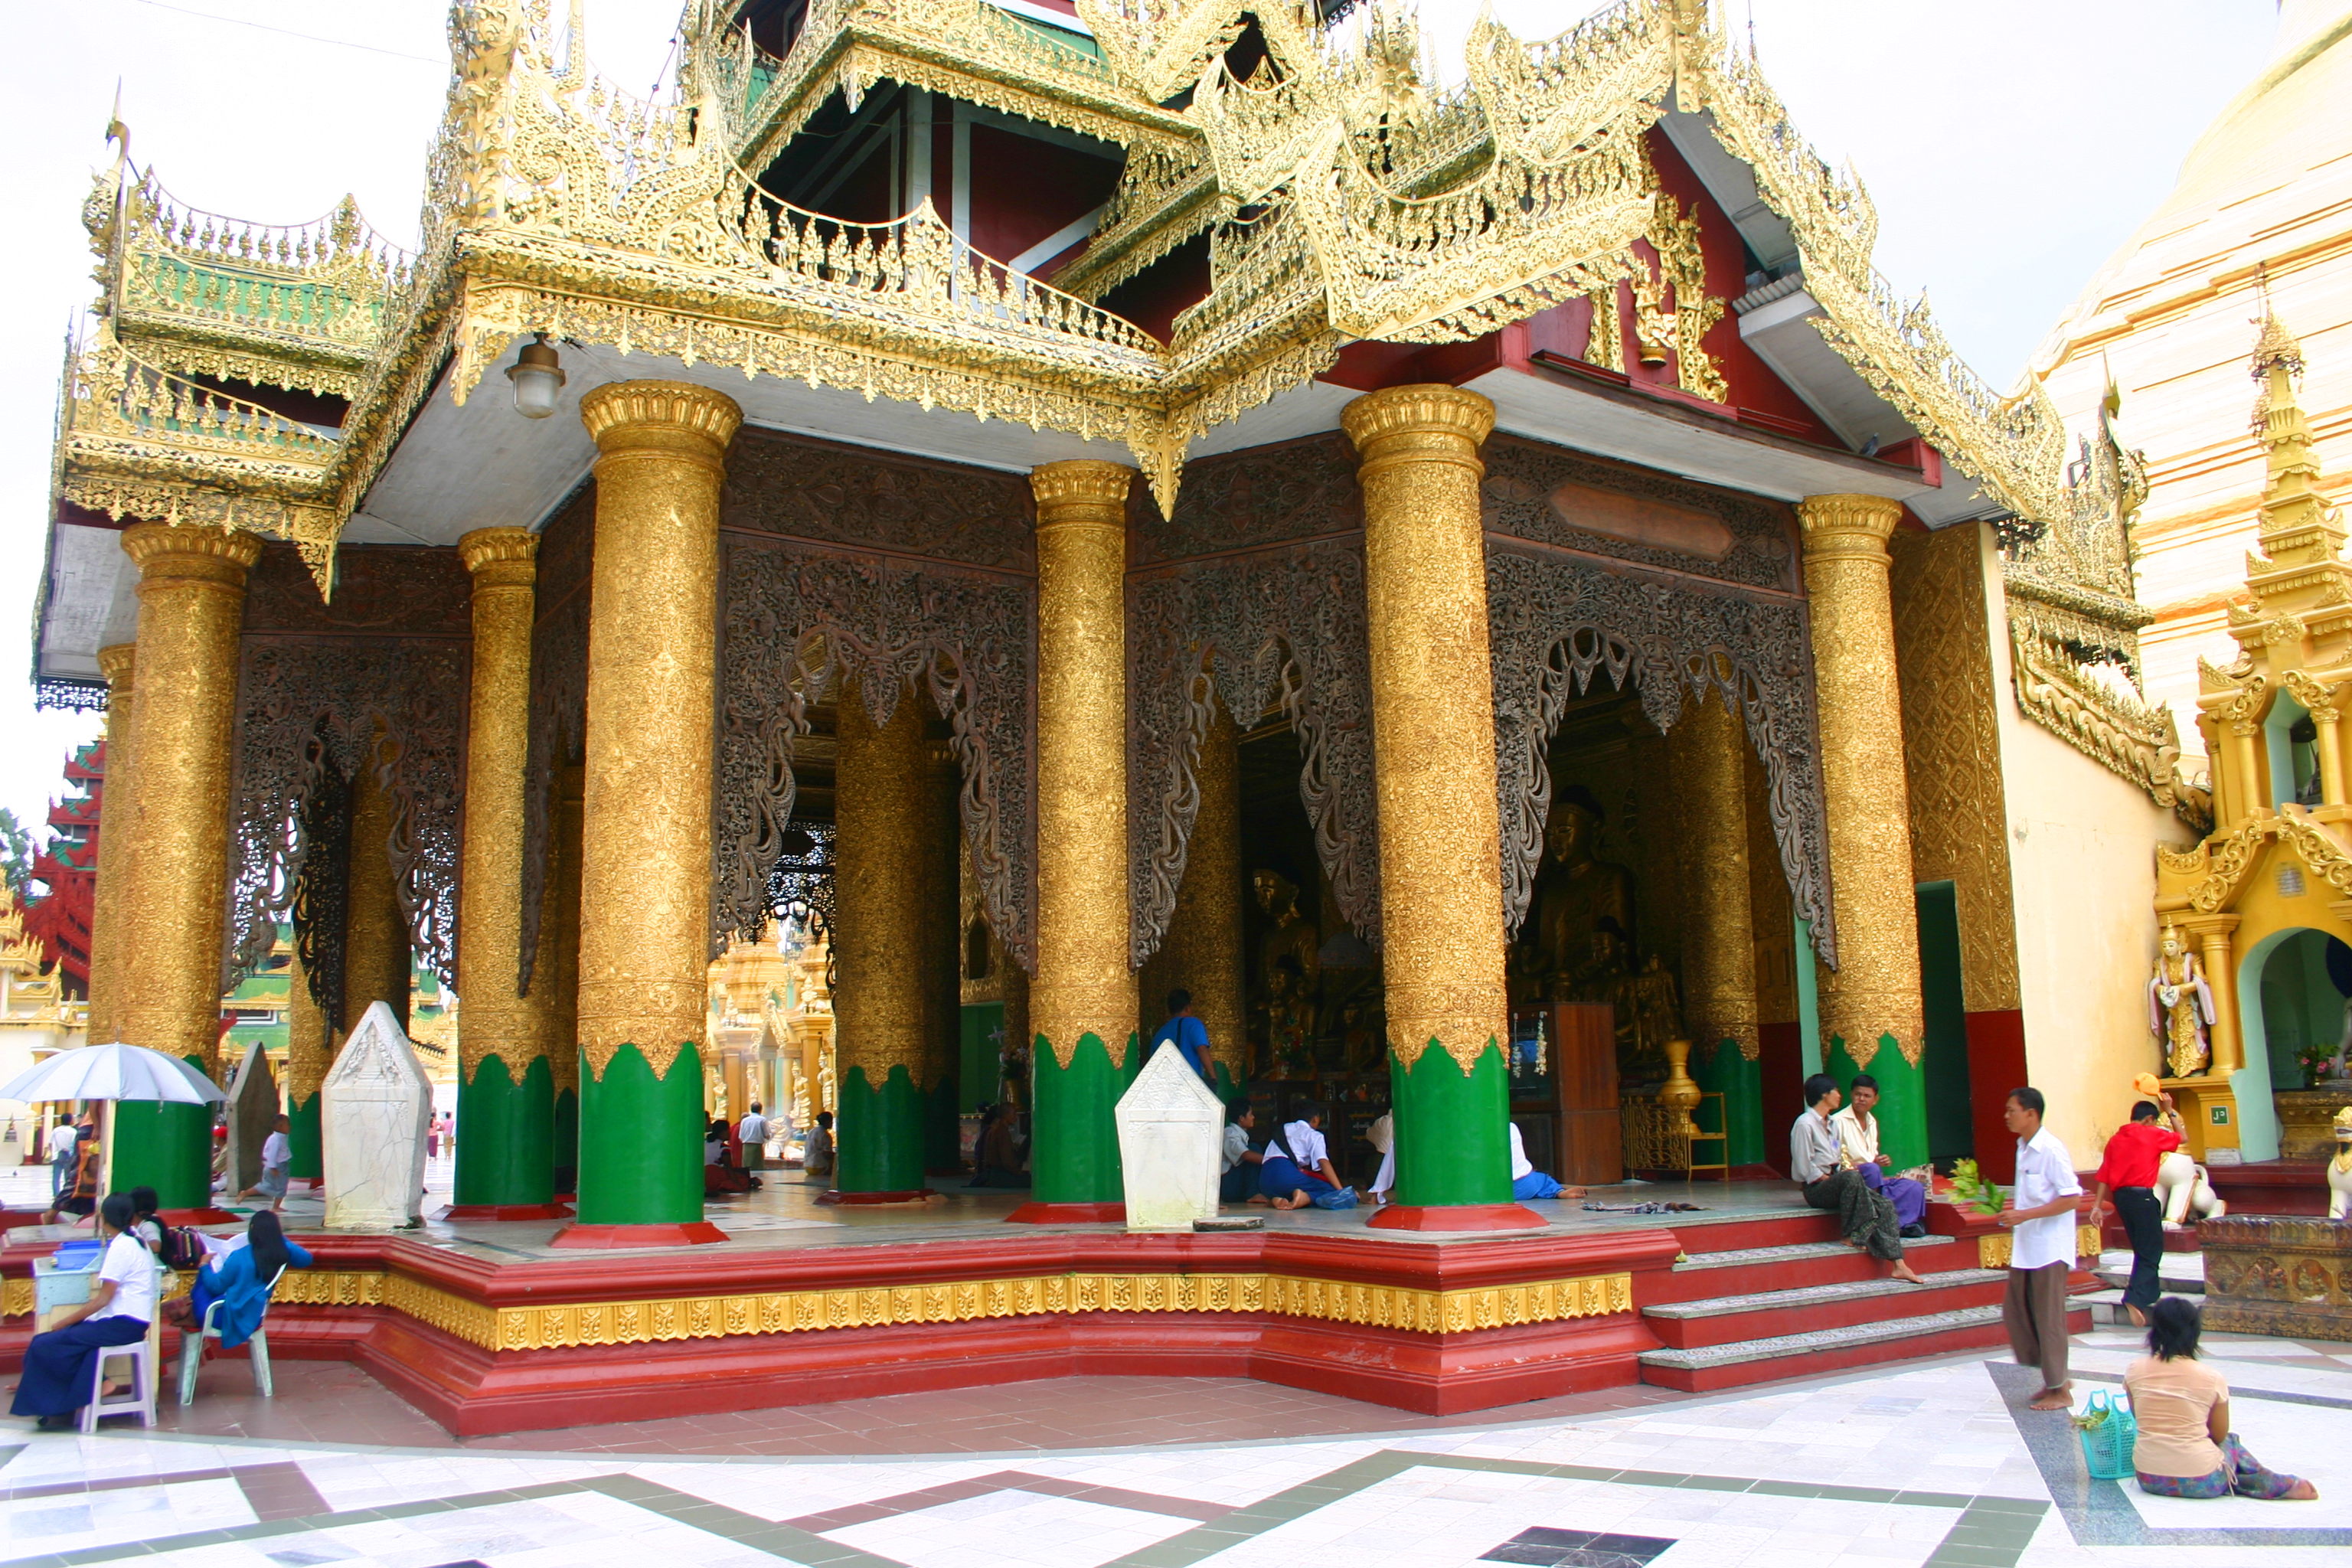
[[56, 1381]]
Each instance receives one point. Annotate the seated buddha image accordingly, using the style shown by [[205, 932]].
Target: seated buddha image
[[1578, 897]]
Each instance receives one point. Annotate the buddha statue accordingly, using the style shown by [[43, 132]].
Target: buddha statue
[[1576, 892]]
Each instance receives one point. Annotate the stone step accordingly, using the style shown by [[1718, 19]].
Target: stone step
[[1747, 1270], [2182, 1273], [1738, 1364], [1768, 1315], [1699, 1235]]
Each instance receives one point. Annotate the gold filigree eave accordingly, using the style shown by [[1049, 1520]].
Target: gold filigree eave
[[996, 383], [163, 345], [904, 323]]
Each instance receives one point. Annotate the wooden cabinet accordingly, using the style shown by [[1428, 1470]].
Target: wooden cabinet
[[1564, 1091]]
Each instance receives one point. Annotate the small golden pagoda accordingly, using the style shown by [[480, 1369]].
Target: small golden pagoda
[[2265, 901]]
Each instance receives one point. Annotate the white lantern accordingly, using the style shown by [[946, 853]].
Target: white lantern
[[537, 377]]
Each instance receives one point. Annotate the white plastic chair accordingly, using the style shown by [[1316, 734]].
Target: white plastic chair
[[191, 1347], [146, 1355]]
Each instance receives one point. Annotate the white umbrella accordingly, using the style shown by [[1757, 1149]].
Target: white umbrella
[[112, 1073]]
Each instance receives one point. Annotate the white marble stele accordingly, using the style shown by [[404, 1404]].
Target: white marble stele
[[373, 1110], [252, 1109], [1171, 1144]]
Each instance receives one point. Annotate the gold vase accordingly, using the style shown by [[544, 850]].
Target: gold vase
[[1681, 1093]]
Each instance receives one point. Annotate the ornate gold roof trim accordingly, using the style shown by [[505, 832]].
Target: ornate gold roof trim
[[1388, 210]]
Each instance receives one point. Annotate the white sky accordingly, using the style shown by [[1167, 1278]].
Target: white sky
[[2010, 145]]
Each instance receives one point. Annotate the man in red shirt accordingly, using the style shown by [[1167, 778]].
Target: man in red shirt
[[2128, 1171]]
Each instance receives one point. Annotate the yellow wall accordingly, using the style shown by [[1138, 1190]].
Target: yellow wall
[[2082, 851]]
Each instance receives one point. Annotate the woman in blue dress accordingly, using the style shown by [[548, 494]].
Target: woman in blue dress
[[239, 1279]]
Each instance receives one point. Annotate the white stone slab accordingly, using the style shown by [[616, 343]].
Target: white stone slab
[[1171, 1142], [373, 1113], [252, 1109]]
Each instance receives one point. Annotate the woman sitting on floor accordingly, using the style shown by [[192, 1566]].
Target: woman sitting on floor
[[1295, 1167], [57, 1377], [2186, 1447]]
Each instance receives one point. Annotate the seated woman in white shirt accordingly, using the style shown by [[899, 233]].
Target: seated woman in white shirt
[[56, 1381]]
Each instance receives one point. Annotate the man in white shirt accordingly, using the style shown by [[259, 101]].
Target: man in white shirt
[[1865, 1218], [752, 1132], [1857, 1130], [2039, 1216]]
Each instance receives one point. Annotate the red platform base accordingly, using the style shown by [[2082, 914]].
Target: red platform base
[[695, 1233], [198, 1216], [836, 1195], [1455, 1217], [506, 1211], [1069, 1213]]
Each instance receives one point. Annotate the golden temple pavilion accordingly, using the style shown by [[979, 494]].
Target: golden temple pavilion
[[1479, 581]]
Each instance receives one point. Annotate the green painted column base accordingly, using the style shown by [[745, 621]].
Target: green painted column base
[[566, 1143], [881, 1136], [506, 1147], [1452, 1144], [1724, 1071], [1901, 1110], [167, 1147], [1074, 1161], [641, 1156], [303, 1130]]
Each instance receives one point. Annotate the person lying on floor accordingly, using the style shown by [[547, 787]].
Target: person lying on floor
[[1857, 1130], [56, 1381], [1865, 1218], [1526, 1182], [1296, 1167], [2184, 1447]]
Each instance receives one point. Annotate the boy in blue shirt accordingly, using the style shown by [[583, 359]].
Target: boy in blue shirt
[[1187, 1034]]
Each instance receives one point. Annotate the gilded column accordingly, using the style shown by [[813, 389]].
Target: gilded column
[[377, 966], [1204, 935], [645, 874], [117, 664], [558, 968], [506, 1092], [942, 851], [1082, 997], [879, 881], [168, 931], [1872, 1016], [1441, 839], [310, 1051], [1710, 756]]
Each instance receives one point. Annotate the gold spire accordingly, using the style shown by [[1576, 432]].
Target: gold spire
[[2298, 529]]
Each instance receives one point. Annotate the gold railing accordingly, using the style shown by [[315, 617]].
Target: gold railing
[[113, 396], [333, 282]]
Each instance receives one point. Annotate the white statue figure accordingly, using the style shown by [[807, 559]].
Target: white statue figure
[[2181, 1185], [2340, 1169], [2180, 1008]]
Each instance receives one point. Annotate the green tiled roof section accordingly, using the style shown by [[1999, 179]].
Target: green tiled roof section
[[257, 298]]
